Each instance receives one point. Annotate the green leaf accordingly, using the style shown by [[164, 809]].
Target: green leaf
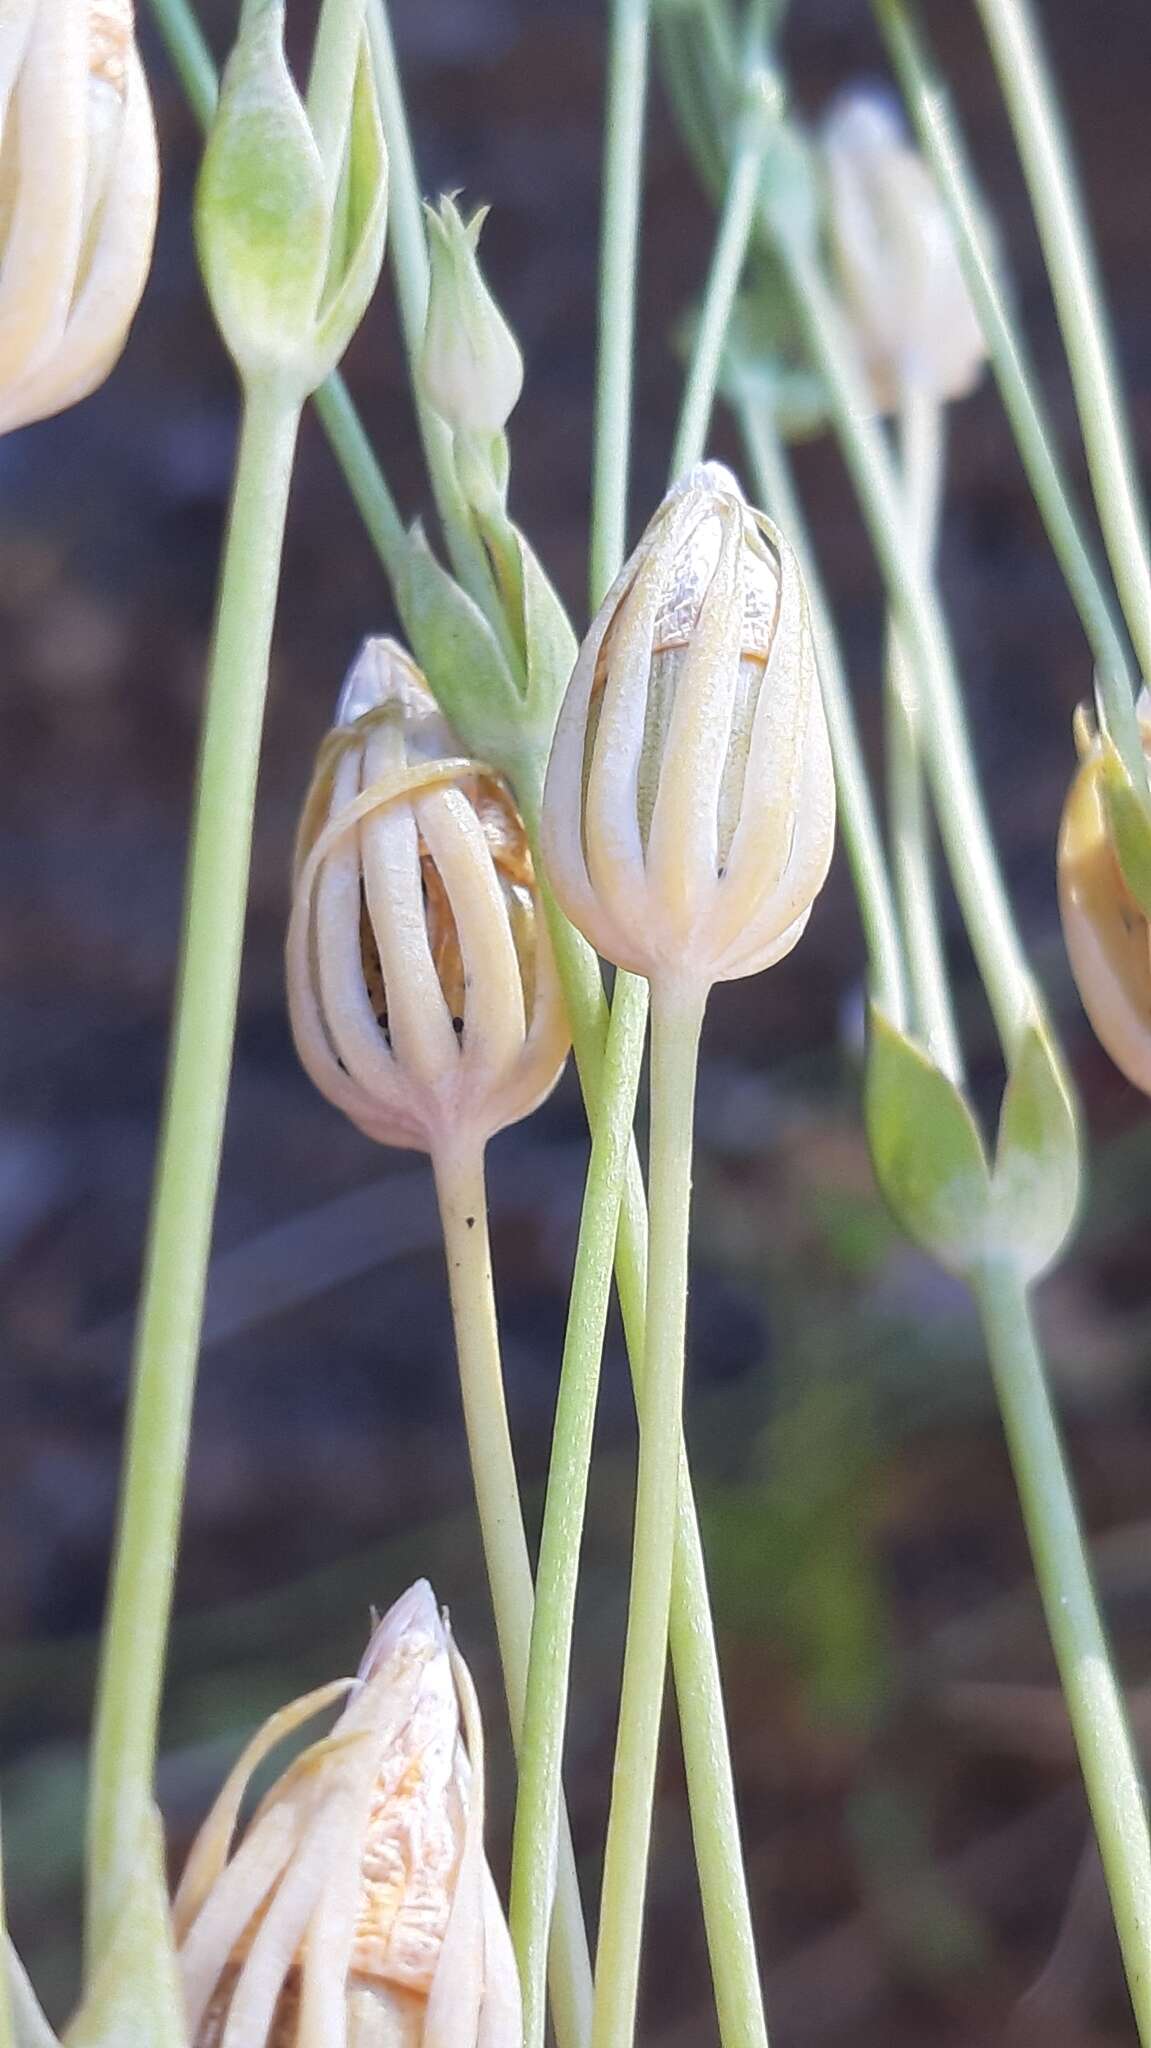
[[461, 657], [1128, 825], [1035, 1183], [926, 1148], [134, 1996], [263, 222]]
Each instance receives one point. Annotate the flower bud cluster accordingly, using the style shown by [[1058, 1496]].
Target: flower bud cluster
[[894, 256], [358, 1910], [423, 993], [78, 191], [689, 811], [1106, 931]]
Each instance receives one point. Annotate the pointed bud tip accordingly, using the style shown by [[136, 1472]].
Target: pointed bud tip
[[413, 1616]]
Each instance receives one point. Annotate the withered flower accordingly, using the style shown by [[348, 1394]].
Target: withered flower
[[423, 994], [1106, 931], [690, 806], [78, 189], [894, 255], [358, 1910]]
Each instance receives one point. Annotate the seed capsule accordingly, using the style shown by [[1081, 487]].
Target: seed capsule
[[894, 255], [1106, 932], [358, 1910], [690, 807], [78, 189], [423, 993]]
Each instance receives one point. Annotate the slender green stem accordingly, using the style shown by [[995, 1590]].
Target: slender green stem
[[168, 1330], [409, 262], [463, 1209], [736, 222], [963, 821], [939, 133], [921, 436], [190, 55], [557, 1577], [1094, 1700], [856, 811], [335, 56], [1029, 92], [619, 267], [677, 1015], [365, 478]]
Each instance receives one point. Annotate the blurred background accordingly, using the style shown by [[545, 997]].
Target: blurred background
[[916, 1834]]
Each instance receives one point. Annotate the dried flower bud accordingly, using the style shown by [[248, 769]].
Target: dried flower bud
[[690, 808], [358, 1910], [78, 188], [423, 993], [894, 255], [471, 370], [1107, 934]]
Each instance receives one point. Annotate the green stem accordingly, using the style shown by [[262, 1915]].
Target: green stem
[[1094, 1700], [959, 805], [557, 1577], [694, 1658], [677, 1016], [856, 812], [735, 226], [921, 422], [1029, 92], [463, 1208], [168, 1330], [941, 139], [409, 261], [619, 267], [365, 479]]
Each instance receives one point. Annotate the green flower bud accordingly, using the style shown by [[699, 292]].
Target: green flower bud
[[689, 811], [424, 998], [894, 256], [359, 1907], [78, 188], [471, 370], [290, 256]]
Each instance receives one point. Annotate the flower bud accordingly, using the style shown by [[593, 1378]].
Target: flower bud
[[471, 370], [423, 992], [894, 256], [290, 251], [1106, 932], [689, 811], [78, 188], [358, 1910]]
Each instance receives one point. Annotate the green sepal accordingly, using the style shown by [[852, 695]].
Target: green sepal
[[134, 1994], [460, 656], [263, 222], [925, 1146], [550, 645], [792, 192], [357, 249], [765, 358], [1035, 1184], [1128, 824]]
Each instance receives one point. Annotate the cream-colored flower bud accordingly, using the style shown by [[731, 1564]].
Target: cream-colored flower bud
[[78, 187], [471, 369], [894, 255], [1107, 934], [423, 992], [689, 812], [358, 1910]]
